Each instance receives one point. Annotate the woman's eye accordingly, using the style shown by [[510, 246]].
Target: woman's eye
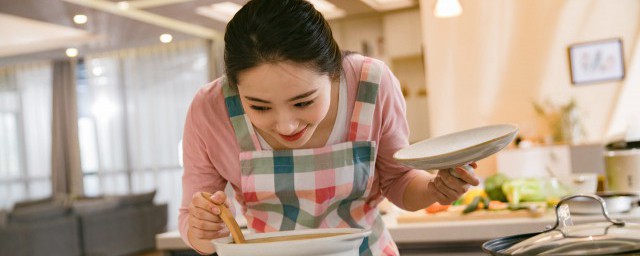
[[259, 108], [304, 104]]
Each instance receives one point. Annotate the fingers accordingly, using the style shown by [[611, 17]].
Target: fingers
[[207, 234], [449, 185], [443, 194], [204, 220], [466, 174], [220, 197]]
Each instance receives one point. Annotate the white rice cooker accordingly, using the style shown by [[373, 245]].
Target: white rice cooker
[[622, 167]]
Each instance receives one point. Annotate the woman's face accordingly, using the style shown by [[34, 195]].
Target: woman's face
[[285, 101]]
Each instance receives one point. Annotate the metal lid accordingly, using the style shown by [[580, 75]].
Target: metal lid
[[611, 237]]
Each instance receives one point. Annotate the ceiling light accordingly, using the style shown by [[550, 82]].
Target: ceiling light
[[223, 11], [124, 5], [386, 5], [328, 10], [97, 71], [166, 38], [80, 19], [447, 8], [71, 52]]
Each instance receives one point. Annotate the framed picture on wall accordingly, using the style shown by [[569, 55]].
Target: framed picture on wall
[[596, 61]]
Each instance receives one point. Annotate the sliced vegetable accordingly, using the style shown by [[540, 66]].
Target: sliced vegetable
[[485, 202], [436, 207], [472, 206], [471, 194], [498, 205]]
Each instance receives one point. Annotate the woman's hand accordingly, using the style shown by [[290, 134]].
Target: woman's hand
[[204, 220], [451, 184]]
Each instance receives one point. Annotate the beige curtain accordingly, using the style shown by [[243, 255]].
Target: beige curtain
[[215, 56], [66, 173]]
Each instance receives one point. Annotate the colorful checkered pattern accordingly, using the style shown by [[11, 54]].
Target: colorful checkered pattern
[[360, 126], [315, 188]]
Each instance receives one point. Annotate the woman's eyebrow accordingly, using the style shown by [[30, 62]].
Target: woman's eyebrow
[[301, 96], [304, 95]]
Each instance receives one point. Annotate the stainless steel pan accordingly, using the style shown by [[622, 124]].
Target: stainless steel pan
[[599, 238]]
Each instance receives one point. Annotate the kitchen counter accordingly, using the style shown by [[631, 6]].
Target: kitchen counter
[[466, 235]]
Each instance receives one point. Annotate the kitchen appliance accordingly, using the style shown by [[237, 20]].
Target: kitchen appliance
[[622, 167], [345, 242], [599, 238], [615, 202]]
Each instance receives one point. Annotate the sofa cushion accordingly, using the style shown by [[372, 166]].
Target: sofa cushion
[[34, 202], [88, 206], [137, 199], [38, 212]]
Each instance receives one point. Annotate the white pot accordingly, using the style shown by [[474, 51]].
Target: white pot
[[623, 170], [346, 244]]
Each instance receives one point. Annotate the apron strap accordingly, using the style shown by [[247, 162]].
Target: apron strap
[[245, 134], [360, 126]]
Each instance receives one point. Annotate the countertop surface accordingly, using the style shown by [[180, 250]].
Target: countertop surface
[[446, 232]]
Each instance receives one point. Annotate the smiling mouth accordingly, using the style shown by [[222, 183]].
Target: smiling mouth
[[295, 136]]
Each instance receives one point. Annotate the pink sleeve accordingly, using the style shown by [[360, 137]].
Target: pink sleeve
[[199, 172], [394, 135]]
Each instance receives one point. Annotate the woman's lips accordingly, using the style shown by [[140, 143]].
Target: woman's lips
[[294, 136]]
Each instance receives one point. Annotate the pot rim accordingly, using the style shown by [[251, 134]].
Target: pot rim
[[622, 152]]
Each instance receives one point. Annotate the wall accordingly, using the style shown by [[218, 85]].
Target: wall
[[380, 32], [489, 64], [353, 33]]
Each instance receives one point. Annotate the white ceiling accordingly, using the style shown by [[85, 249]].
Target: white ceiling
[[42, 29], [21, 35]]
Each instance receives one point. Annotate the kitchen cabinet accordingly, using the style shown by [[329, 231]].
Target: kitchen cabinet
[[402, 34], [561, 160]]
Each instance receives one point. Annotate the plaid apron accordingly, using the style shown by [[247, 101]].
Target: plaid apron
[[322, 187]]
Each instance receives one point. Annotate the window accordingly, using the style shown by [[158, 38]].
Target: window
[[25, 133], [131, 110]]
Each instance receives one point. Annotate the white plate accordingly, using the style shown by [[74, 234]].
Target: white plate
[[346, 244], [456, 149]]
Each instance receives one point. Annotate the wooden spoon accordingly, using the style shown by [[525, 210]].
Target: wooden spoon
[[227, 218], [238, 237]]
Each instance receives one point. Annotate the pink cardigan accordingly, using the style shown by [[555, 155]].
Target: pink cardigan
[[211, 151]]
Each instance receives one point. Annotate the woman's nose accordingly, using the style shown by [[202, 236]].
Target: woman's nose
[[286, 125]]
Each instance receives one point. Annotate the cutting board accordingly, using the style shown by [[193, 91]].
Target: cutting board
[[455, 214]]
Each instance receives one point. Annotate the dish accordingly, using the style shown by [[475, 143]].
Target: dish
[[457, 149], [346, 242]]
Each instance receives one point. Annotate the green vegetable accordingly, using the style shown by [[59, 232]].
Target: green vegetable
[[493, 187], [472, 206], [486, 202], [524, 190]]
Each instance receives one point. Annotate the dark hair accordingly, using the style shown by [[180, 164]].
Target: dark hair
[[269, 31]]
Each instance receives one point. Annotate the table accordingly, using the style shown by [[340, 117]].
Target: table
[[436, 238]]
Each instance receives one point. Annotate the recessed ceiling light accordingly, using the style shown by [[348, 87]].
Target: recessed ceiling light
[[386, 5], [124, 5], [328, 10], [166, 38], [447, 8], [223, 11], [71, 52], [80, 19]]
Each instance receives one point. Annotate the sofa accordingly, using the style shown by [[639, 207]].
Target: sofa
[[61, 225]]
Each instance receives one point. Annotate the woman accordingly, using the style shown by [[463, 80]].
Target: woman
[[303, 133]]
